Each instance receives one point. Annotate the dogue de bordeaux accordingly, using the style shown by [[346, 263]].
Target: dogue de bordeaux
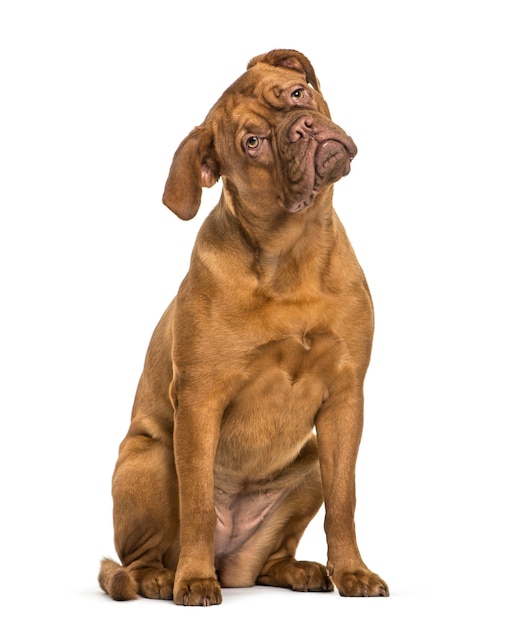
[[249, 411]]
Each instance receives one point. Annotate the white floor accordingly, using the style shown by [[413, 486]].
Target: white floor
[[448, 602], [450, 579]]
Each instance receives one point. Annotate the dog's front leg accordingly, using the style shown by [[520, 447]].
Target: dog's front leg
[[339, 429], [196, 431]]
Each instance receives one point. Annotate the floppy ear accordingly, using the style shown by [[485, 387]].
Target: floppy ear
[[293, 60], [195, 165]]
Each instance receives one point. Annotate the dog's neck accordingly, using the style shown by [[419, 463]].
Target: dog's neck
[[275, 233], [287, 250]]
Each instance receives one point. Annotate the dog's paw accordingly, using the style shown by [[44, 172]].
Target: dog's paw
[[156, 583], [309, 576], [360, 583], [197, 592], [296, 575]]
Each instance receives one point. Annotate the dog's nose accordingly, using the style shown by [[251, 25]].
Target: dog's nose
[[301, 129]]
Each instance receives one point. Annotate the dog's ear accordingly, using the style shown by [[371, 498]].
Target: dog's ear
[[195, 165], [293, 60]]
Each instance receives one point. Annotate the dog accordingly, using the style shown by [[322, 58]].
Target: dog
[[249, 411]]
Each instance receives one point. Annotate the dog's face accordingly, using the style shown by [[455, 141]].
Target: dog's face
[[271, 139]]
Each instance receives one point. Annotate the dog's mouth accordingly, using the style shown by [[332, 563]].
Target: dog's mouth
[[332, 161], [329, 162], [318, 153]]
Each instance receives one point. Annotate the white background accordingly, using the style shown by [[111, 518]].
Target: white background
[[96, 96]]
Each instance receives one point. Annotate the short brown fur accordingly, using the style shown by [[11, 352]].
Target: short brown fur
[[266, 344]]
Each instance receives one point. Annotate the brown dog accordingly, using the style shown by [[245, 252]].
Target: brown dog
[[268, 340]]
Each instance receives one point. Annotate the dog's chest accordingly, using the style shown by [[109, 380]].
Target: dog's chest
[[291, 374], [298, 358], [273, 413]]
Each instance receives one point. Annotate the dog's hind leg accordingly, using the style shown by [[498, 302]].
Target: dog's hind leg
[[281, 568], [145, 522]]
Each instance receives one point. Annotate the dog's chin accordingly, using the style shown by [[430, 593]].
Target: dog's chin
[[302, 205]]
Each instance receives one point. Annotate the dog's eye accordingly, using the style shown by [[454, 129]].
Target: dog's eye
[[297, 94], [252, 143]]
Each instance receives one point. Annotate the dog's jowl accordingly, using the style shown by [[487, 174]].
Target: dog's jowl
[[248, 414]]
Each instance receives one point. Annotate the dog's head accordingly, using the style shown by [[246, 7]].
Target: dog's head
[[271, 139]]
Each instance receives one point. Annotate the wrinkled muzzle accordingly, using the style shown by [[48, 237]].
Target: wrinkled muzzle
[[315, 153]]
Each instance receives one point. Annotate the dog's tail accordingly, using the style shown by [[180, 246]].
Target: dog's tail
[[116, 581]]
